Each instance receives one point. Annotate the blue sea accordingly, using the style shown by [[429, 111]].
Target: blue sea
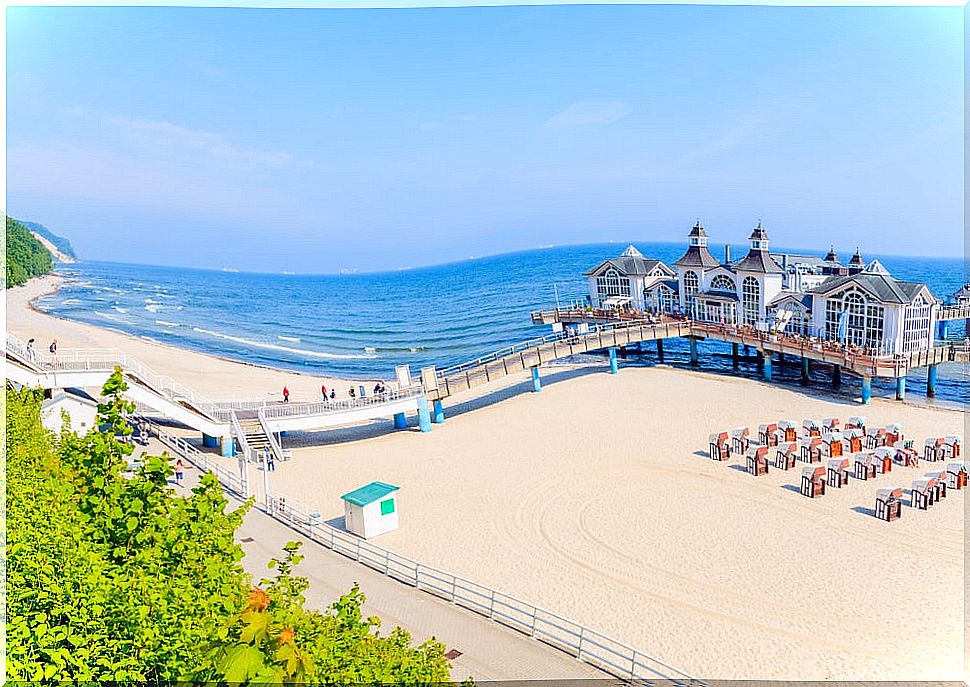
[[363, 325]]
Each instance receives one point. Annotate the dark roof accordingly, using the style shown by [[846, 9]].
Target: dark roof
[[697, 256], [669, 283], [964, 292], [628, 265], [759, 233], [856, 260], [882, 286], [697, 230], [831, 256], [758, 261], [719, 295], [804, 298]]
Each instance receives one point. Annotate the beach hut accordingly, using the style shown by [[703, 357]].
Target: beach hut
[[766, 434], [830, 424], [852, 440], [812, 449], [720, 446], [921, 494], [894, 433], [884, 456], [875, 437], [371, 510], [889, 503], [956, 475], [933, 449], [905, 454], [758, 461], [789, 431], [856, 422], [740, 440], [786, 456], [813, 481], [838, 472], [832, 444], [951, 447], [939, 483], [812, 428], [865, 465]]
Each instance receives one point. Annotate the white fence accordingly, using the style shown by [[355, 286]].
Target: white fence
[[235, 483], [287, 410], [588, 645]]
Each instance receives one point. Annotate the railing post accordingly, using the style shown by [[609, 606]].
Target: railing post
[[491, 604], [532, 632], [579, 646]]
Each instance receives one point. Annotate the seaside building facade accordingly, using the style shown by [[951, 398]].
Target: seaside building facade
[[856, 303]]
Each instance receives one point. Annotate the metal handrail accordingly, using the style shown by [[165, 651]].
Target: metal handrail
[[233, 483], [274, 445], [240, 436], [291, 410]]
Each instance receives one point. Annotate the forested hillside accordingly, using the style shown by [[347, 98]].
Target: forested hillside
[[25, 257], [59, 242]]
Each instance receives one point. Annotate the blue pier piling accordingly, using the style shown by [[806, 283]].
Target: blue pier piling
[[660, 350], [536, 382], [439, 413], [228, 447], [804, 370], [944, 329], [931, 382], [866, 388], [734, 356], [900, 388], [836, 376], [614, 367], [693, 352], [210, 442], [424, 416], [767, 365], [400, 421]]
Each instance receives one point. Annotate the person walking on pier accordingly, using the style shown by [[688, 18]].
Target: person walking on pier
[[31, 353], [286, 395], [333, 394], [323, 390], [53, 350], [352, 393], [179, 471]]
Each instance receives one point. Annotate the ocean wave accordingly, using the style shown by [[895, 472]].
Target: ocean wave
[[109, 316], [288, 338], [167, 324], [117, 309], [286, 349], [153, 307], [71, 301]]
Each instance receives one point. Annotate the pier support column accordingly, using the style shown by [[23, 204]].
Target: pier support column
[[693, 352], [943, 327], [228, 447], [866, 388], [836, 376], [623, 352], [400, 421], [210, 442], [614, 368], [931, 382], [747, 350], [900, 388], [781, 359], [536, 382], [439, 413], [766, 356], [424, 416], [734, 356], [660, 350], [804, 370]]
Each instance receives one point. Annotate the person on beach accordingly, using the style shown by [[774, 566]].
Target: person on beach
[[333, 394], [352, 393], [179, 471], [270, 463], [378, 389], [31, 353], [286, 395], [53, 350], [323, 390]]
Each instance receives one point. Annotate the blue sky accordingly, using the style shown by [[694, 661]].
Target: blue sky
[[316, 140]]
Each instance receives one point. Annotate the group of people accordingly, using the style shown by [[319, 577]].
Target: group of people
[[380, 389], [32, 350]]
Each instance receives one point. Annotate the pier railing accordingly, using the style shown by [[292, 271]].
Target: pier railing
[[953, 312], [286, 410], [580, 641]]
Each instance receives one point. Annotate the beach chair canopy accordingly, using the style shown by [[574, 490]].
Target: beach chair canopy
[[875, 431], [956, 468], [938, 475], [838, 464], [786, 424], [856, 420], [740, 431], [810, 424], [894, 428], [830, 421], [934, 442], [951, 440], [867, 459], [813, 472], [788, 448], [921, 485], [832, 437], [767, 428], [884, 452], [811, 441], [891, 492], [757, 452], [853, 433]]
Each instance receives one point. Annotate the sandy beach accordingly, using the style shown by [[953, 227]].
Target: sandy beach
[[596, 499]]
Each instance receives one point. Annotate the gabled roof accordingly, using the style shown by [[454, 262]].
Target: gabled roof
[[805, 299], [697, 230], [964, 292], [856, 260], [375, 491], [630, 266], [875, 267], [758, 261], [669, 283], [697, 256], [879, 285], [71, 394]]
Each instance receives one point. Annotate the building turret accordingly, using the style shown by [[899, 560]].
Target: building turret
[[856, 264], [697, 254], [832, 264], [758, 259]]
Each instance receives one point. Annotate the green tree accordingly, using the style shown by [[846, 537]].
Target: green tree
[[115, 579], [25, 256]]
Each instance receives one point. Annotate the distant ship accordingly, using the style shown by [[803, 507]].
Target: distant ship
[[285, 272], [229, 269]]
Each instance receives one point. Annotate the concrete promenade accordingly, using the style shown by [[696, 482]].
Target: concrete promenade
[[489, 651]]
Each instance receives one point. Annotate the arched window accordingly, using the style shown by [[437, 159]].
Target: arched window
[[797, 323], [863, 320], [664, 299], [691, 284], [723, 283], [610, 284], [750, 300], [916, 325]]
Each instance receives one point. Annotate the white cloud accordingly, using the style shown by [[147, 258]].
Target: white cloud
[[589, 113]]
